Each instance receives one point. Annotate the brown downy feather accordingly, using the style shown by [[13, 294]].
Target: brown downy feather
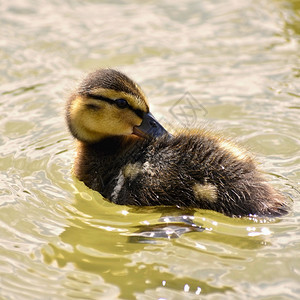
[[194, 169], [187, 171]]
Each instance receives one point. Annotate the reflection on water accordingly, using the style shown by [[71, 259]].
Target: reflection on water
[[104, 239], [60, 240], [290, 15], [172, 229], [109, 252]]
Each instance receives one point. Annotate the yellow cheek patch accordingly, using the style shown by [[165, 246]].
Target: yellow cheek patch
[[206, 191], [76, 107]]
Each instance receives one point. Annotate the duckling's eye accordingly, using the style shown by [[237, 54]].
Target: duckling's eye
[[121, 103]]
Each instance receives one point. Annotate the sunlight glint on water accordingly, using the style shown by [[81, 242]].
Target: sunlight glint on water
[[238, 61]]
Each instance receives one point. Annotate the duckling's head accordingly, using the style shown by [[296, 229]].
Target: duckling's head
[[108, 103]]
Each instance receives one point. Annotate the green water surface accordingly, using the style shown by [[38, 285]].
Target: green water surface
[[237, 62]]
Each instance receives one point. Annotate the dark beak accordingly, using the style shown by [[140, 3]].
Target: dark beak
[[150, 128]]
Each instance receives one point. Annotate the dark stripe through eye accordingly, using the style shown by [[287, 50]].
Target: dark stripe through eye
[[121, 103], [98, 97], [138, 112], [92, 106]]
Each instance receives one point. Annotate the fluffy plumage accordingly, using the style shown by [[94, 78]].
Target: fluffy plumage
[[195, 170]]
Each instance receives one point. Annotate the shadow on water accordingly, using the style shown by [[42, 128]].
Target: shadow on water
[[105, 239]]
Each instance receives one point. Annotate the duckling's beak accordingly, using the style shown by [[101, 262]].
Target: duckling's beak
[[150, 128]]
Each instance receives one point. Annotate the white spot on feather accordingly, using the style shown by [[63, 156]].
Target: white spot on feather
[[147, 168], [205, 191], [132, 170], [118, 187]]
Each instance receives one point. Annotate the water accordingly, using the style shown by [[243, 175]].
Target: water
[[239, 60]]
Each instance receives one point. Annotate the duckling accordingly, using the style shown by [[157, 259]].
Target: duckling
[[125, 154]]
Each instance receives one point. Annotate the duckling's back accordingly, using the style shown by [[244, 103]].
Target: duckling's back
[[188, 170]]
